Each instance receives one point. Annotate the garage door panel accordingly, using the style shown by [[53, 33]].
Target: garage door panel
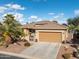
[[50, 36]]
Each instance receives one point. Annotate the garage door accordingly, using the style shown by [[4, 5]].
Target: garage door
[[50, 36]]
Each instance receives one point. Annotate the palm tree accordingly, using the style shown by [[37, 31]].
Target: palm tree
[[73, 23]]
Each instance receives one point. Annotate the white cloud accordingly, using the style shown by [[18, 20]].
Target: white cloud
[[62, 14], [18, 16], [5, 9], [39, 19], [76, 12], [59, 16], [51, 13], [2, 9], [15, 6], [34, 18], [8, 7], [56, 17], [63, 20]]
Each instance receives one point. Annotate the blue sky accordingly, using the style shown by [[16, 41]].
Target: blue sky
[[37, 10]]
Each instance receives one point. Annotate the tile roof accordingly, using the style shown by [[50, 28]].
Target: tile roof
[[44, 25]]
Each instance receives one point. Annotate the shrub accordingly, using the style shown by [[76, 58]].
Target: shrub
[[66, 55], [1, 43], [27, 44]]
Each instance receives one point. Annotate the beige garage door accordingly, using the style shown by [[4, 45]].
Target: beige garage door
[[50, 36]]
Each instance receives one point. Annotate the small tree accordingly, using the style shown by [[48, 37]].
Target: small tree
[[11, 28]]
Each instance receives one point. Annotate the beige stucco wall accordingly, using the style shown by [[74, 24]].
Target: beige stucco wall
[[26, 32], [64, 33]]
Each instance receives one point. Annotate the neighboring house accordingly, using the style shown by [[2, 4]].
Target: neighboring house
[[45, 31]]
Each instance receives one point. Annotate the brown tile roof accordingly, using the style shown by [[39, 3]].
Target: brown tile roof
[[44, 25]]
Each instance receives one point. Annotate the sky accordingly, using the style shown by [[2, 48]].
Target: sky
[[38, 10]]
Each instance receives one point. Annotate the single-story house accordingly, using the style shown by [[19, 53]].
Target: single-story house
[[45, 31]]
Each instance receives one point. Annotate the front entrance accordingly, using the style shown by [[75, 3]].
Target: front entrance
[[32, 35]]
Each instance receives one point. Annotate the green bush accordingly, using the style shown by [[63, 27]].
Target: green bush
[[66, 55]]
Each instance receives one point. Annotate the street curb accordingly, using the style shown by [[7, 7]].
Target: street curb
[[15, 54]]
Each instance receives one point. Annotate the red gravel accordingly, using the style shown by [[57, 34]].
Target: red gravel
[[62, 51], [13, 48]]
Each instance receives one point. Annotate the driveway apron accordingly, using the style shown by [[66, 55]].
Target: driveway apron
[[42, 50]]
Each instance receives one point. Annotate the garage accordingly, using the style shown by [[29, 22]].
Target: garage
[[50, 36]]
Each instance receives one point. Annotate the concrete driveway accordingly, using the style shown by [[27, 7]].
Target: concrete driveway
[[42, 50]]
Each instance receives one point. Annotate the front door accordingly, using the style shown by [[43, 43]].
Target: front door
[[32, 35]]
